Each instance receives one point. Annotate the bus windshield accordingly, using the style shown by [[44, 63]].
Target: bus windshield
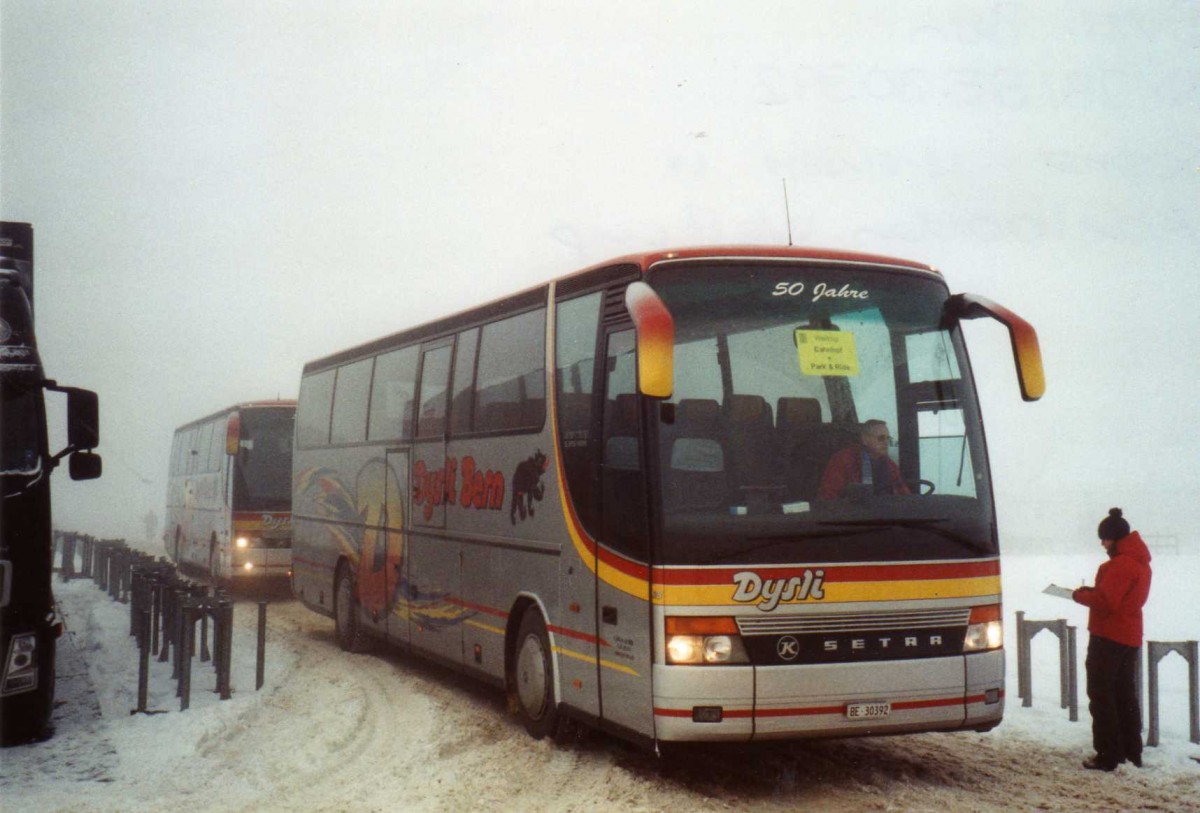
[[819, 414], [262, 478]]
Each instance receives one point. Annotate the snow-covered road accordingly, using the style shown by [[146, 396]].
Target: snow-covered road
[[337, 732]]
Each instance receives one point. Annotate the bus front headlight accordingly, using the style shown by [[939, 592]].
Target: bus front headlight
[[700, 641], [985, 630]]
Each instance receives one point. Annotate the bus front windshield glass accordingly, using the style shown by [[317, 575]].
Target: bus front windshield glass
[[818, 414], [262, 477]]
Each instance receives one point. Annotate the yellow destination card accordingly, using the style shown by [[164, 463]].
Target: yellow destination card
[[827, 352]]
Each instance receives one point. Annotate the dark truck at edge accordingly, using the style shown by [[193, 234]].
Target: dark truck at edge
[[29, 621]]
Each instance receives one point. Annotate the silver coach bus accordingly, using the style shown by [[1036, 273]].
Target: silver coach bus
[[640, 497]]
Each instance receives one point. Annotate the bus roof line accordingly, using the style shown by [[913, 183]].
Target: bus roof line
[[234, 408], [532, 296]]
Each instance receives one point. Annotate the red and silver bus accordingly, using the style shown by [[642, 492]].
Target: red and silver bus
[[229, 499], [641, 497]]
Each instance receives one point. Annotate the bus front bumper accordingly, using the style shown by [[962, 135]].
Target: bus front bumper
[[741, 703], [261, 563]]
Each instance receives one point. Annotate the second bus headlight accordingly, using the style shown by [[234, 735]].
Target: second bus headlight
[[699, 641], [985, 630]]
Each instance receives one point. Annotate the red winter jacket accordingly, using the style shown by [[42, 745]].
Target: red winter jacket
[[1122, 585], [846, 468]]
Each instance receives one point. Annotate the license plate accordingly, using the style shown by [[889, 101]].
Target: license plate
[[867, 711]]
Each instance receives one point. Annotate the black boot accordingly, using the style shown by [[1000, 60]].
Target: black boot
[[1097, 764]]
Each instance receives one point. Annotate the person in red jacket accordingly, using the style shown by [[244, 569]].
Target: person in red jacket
[[865, 463], [1115, 634]]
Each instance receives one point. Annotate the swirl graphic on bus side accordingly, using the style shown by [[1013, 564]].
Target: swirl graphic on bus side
[[379, 505]]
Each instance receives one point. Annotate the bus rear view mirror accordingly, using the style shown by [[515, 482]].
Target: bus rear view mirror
[[84, 466], [655, 340], [233, 434], [1027, 354]]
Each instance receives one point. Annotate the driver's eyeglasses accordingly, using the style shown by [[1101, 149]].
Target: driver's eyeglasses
[[888, 439]]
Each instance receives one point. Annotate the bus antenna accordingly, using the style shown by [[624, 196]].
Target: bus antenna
[[787, 211]]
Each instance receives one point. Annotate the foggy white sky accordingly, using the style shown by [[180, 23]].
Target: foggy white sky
[[223, 191]]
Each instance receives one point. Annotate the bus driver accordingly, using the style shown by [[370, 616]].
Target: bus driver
[[864, 463]]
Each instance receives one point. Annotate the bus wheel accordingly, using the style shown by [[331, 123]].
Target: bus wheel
[[350, 634], [533, 678]]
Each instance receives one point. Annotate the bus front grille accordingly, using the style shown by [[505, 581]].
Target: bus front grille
[[843, 623]]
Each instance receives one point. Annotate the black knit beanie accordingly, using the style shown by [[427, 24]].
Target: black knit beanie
[[1113, 527]]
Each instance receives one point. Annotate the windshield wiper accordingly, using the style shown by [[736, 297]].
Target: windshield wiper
[[925, 524]]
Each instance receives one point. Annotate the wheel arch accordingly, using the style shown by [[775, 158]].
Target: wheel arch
[[525, 603]]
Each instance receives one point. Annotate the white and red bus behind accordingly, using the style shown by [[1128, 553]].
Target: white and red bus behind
[[229, 499]]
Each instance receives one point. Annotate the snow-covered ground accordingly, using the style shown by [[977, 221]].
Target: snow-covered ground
[[335, 732]]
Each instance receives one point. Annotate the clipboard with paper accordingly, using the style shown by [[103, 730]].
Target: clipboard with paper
[[1059, 592]]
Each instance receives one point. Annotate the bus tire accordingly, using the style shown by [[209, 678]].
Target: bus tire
[[533, 678], [350, 633]]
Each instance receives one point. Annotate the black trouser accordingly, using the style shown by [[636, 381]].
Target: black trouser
[[1113, 701]]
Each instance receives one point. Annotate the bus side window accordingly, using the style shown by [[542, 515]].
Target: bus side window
[[316, 401], [510, 390], [190, 466], [462, 401], [435, 381], [350, 393], [575, 359], [216, 448], [176, 455], [392, 395]]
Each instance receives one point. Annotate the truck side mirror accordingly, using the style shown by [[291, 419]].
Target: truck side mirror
[[83, 419], [1027, 353], [84, 466]]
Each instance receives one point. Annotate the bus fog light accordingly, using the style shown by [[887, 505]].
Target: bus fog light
[[243, 542], [685, 649], [248, 566]]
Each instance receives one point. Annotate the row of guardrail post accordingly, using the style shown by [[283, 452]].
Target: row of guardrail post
[[165, 610], [1154, 651]]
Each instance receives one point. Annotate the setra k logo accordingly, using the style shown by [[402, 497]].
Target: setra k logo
[[787, 648]]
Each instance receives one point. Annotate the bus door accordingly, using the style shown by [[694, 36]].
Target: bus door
[[623, 575], [434, 572], [396, 512]]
